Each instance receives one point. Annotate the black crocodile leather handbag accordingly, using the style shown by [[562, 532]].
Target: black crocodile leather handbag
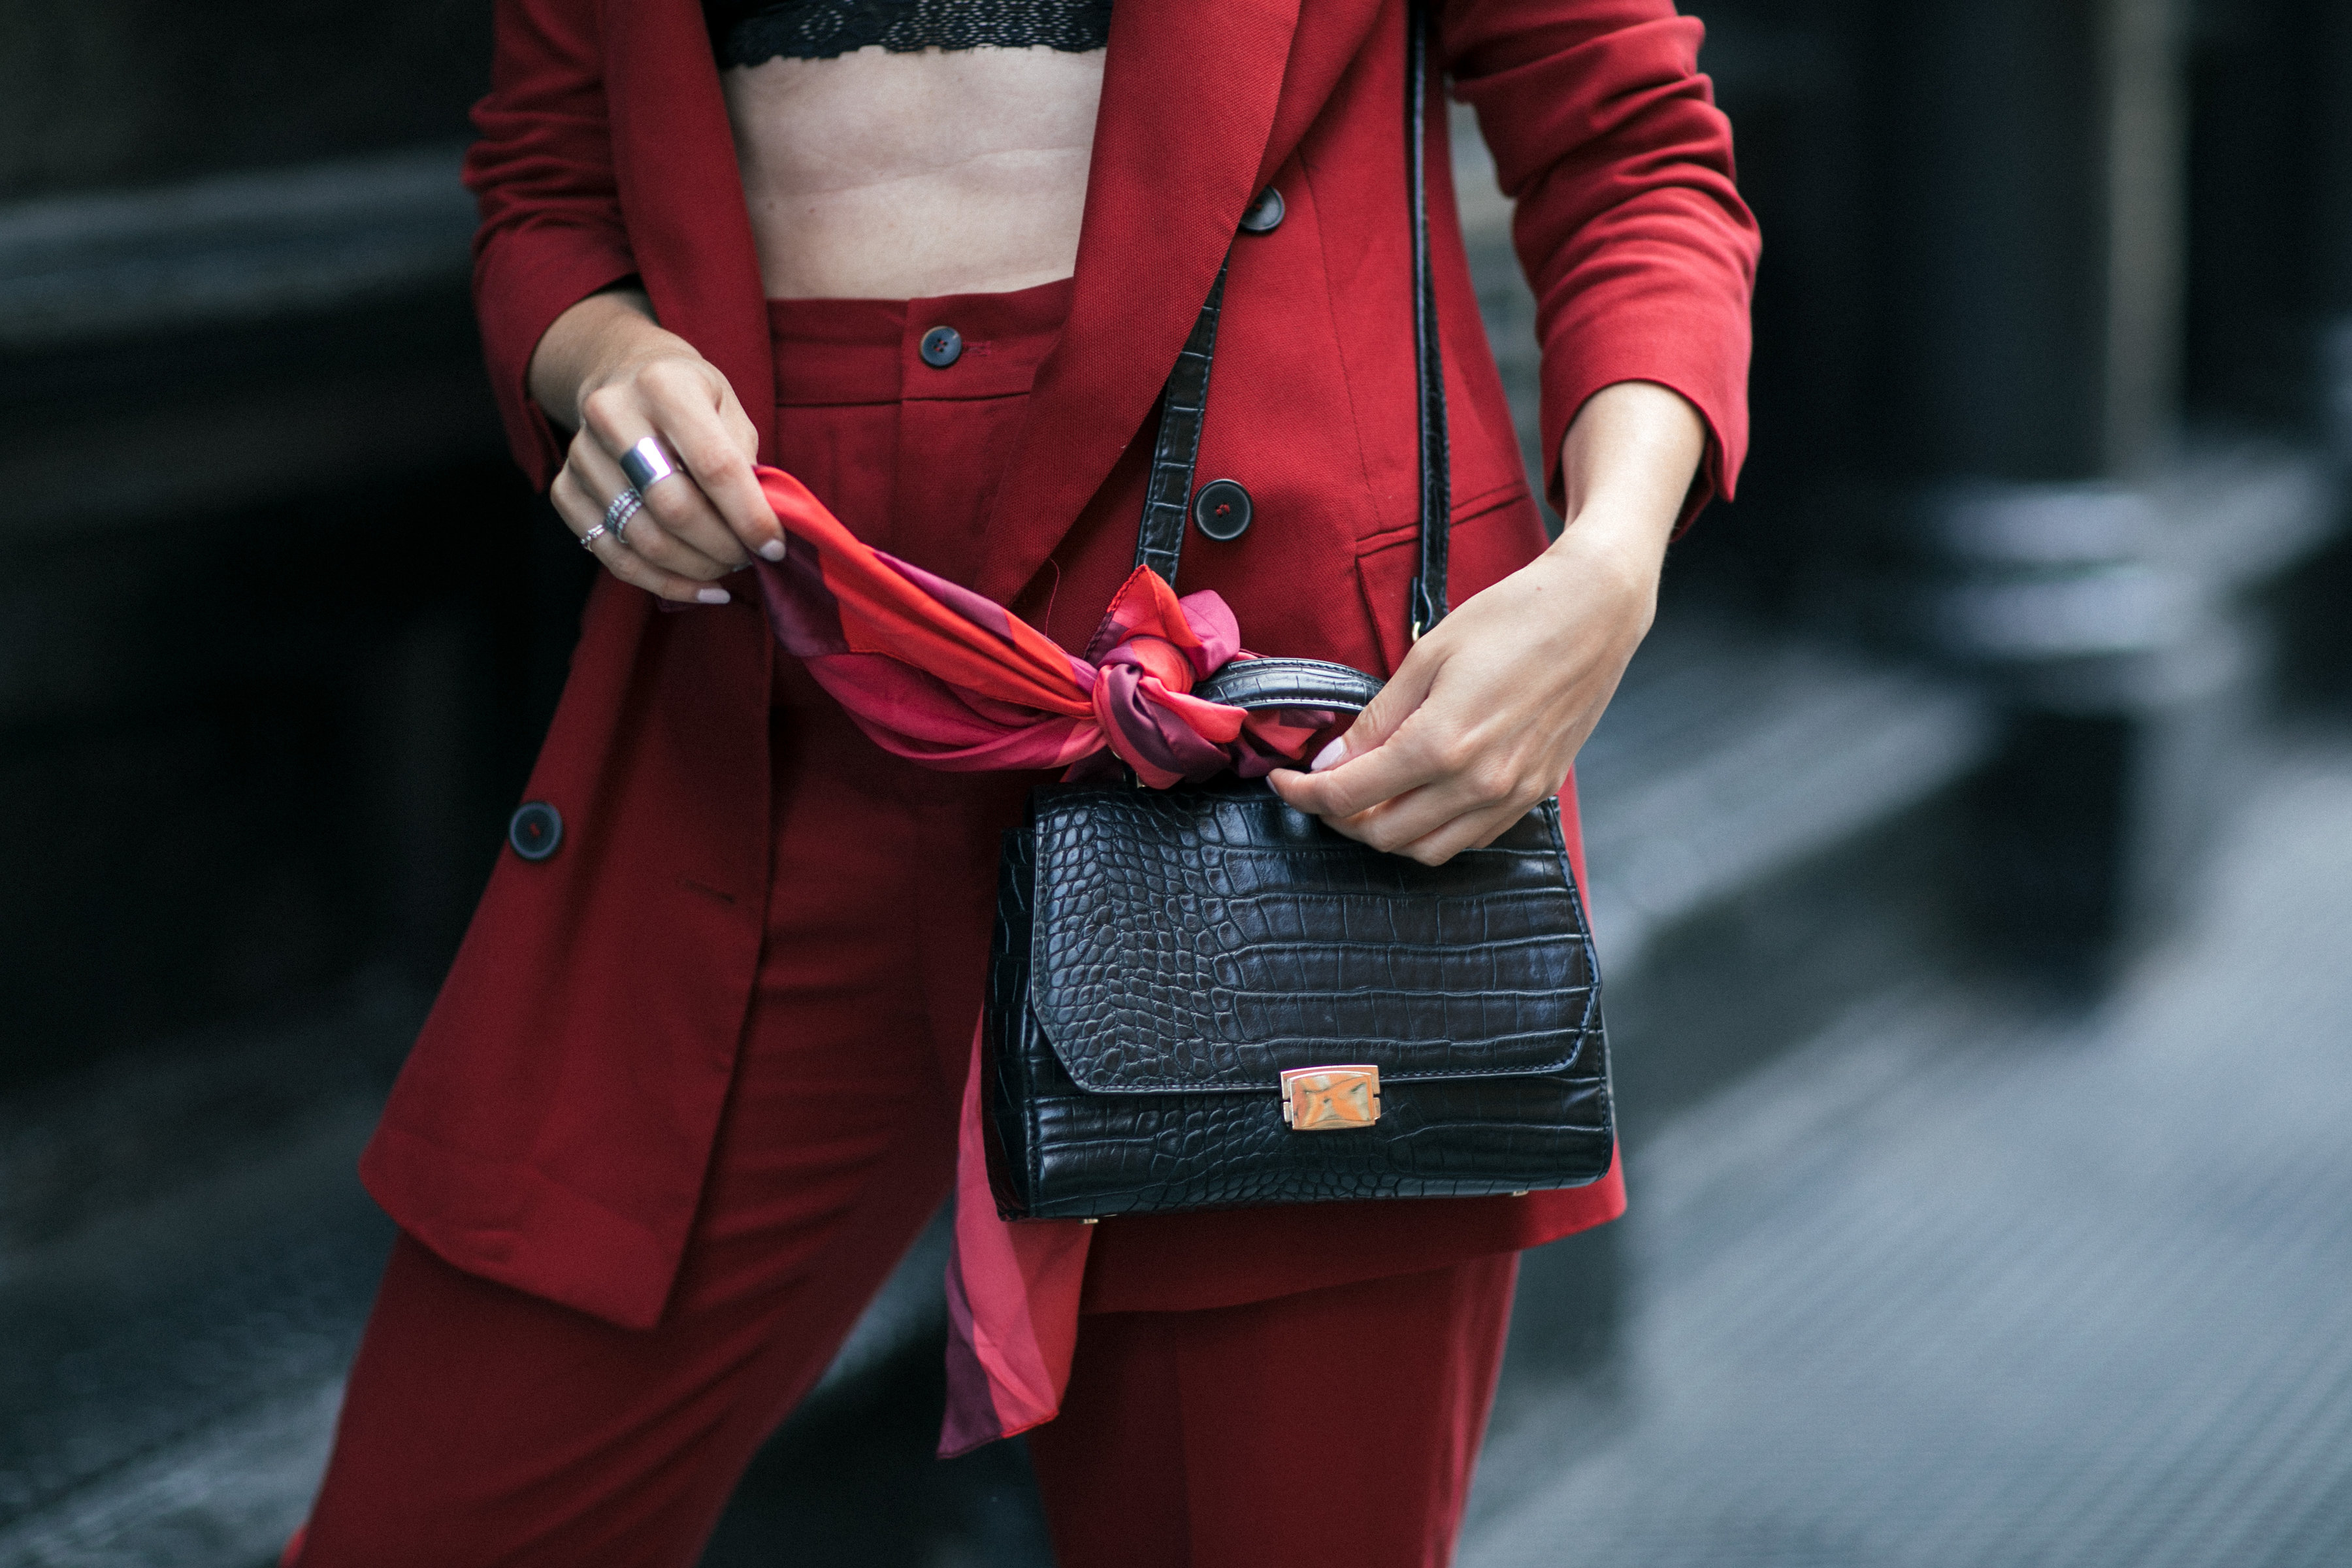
[[1200, 998]]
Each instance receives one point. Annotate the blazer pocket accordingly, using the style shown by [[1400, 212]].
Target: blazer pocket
[[1493, 535]]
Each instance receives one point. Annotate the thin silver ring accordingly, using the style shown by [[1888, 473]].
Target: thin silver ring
[[646, 463], [625, 506], [588, 540]]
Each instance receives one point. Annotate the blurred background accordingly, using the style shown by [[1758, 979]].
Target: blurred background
[[1970, 845]]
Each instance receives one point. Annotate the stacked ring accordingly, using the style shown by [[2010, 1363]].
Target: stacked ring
[[588, 540], [646, 463], [625, 505]]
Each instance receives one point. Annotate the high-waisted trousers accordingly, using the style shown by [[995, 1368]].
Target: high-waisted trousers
[[482, 1426]]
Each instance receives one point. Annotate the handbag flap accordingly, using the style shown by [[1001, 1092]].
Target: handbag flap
[[1207, 938]]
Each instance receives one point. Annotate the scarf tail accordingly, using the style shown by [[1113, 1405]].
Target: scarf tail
[[1013, 1303]]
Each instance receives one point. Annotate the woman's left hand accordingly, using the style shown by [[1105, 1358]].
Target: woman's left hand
[[1485, 715]]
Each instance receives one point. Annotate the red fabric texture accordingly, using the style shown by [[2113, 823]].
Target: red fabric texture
[[1334, 1426], [934, 674], [1639, 251], [556, 1120], [484, 1424], [937, 674]]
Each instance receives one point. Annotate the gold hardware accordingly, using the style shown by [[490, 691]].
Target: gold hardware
[[1095, 1221], [1326, 1099], [1520, 1194]]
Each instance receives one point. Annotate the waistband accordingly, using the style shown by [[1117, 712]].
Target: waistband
[[835, 351]]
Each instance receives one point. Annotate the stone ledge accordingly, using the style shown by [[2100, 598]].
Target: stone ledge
[[236, 249], [1731, 755], [304, 435]]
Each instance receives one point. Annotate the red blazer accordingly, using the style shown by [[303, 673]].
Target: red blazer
[[553, 1123]]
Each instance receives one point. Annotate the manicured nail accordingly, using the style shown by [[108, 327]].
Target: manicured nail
[[773, 550], [712, 595], [1330, 756]]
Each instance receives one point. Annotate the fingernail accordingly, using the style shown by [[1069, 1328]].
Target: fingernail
[[773, 550], [712, 595], [1330, 756]]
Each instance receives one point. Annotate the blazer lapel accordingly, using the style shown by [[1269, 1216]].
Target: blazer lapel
[[1180, 147], [682, 193], [1182, 143]]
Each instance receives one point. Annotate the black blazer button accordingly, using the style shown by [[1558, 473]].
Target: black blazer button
[[942, 347], [1221, 509], [535, 829], [1265, 215]]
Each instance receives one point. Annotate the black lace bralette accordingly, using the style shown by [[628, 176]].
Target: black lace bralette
[[748, 32]]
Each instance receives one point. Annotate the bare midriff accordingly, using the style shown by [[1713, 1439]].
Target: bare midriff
[[896, 177]]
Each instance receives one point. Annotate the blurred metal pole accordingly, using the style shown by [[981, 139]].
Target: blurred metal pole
[[2144, 145], [2318, 636], [2328, 26], [1993, 282], [2035, 172], [2052, 526]]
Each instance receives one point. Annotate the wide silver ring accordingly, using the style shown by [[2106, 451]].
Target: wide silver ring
[[588, 540], [625, 506], [646, 463]]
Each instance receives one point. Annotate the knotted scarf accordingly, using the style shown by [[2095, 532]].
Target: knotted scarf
[[935, 673]]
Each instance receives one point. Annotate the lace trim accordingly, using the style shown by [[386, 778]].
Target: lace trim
[[745, 33]]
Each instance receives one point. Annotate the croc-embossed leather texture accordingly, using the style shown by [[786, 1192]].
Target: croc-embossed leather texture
[[1161, 957]]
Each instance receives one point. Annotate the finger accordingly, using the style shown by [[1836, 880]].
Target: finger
[[1455, 779], [580, 512], [677, 410], [1403, 761], [1497, 790], [1424, 826], [633, 569], [1391, 706], [676, 507], [716, 442], [1382, 717], [616, 417], [1393, 825], [1410, 815], [1472, 830], [600, 475]]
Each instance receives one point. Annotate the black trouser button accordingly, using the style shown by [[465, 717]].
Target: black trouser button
[[1222, 510], [535, 829], [942, 347]]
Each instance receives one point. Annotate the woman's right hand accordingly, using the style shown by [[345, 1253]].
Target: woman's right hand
[[608, 370]]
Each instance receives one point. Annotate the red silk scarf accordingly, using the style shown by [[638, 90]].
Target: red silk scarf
[[935, 673]]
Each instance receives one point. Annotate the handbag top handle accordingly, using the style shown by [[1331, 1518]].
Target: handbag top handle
[[1176, 450]]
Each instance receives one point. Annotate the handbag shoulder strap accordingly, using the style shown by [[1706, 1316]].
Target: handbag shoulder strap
[[1176, 450], [1184, 405], [1425, 606]]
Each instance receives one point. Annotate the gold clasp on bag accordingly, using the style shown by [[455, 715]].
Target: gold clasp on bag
[[1324, 1100]]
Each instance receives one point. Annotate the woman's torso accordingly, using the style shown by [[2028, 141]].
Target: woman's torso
[[893, 149]]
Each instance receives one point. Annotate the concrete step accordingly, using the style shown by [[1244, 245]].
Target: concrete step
[[185, 1257], [1974, 1278]]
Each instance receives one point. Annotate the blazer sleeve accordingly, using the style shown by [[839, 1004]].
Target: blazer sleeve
[[1632, 234], [541, 174]]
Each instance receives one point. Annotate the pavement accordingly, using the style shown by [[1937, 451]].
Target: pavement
[[1980, 1279], [186, 1258]]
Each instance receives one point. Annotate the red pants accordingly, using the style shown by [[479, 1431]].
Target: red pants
[[484, 1425]]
